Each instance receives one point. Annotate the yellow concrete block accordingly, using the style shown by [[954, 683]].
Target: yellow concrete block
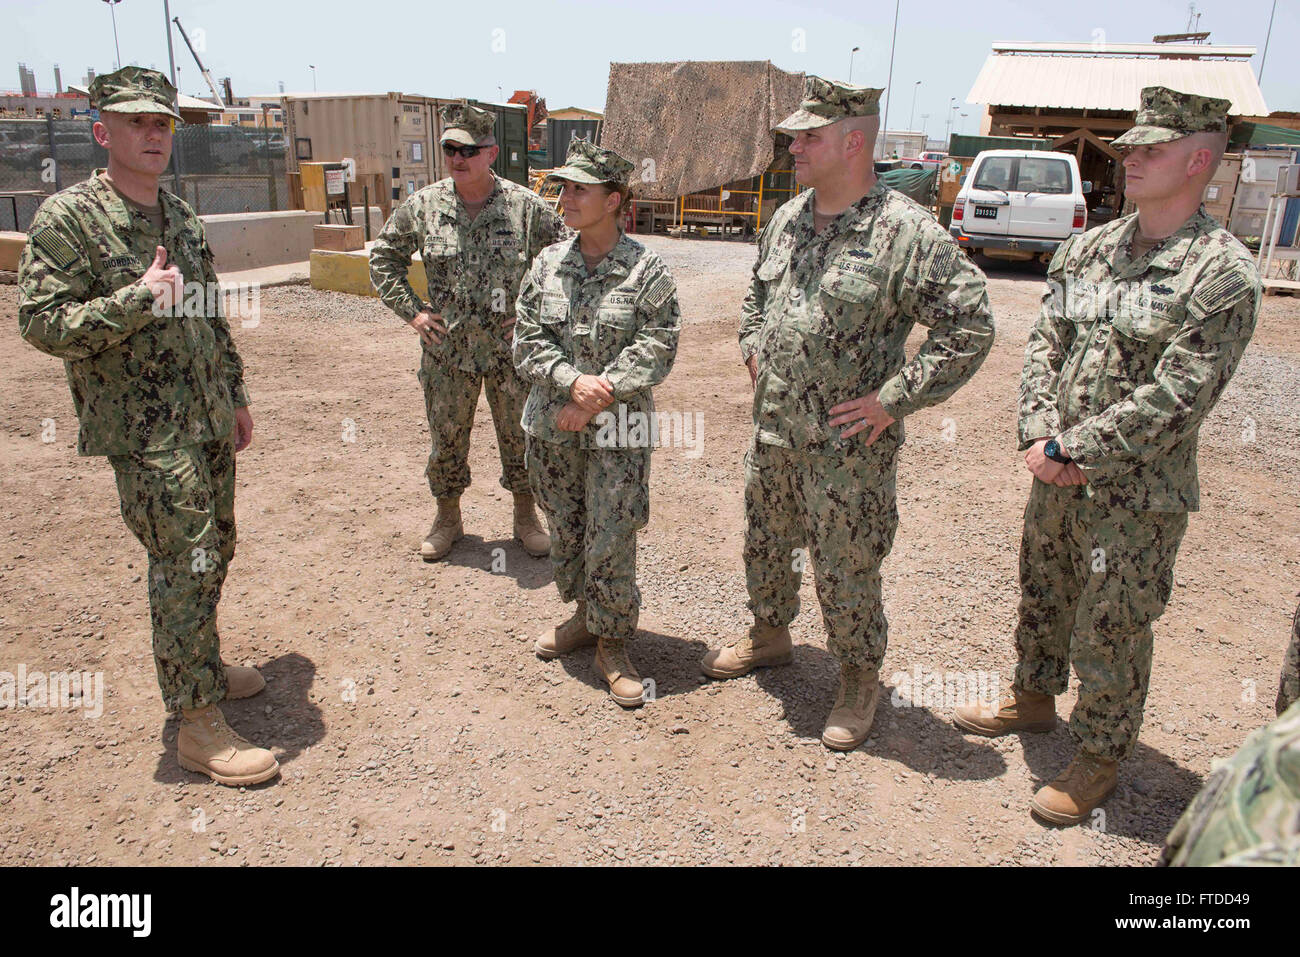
[[11, 250], [350, 272]]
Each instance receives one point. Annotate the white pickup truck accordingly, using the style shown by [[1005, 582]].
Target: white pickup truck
[[1020, 204]]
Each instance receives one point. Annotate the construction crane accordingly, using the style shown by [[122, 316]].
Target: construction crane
[[202, 69]]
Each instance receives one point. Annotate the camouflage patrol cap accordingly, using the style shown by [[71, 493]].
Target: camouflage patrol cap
[[1167, 115], [589, 163], [133, 89], [829, 101], [465, 124]]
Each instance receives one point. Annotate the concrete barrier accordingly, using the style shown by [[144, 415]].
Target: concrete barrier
[[11, 250], [251, 240], [350, 272]]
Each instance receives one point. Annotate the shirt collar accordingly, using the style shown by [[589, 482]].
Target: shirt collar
[[120, 213], [1170, 254], [108, 198], [459, 208], [618, 262], [859, 216]]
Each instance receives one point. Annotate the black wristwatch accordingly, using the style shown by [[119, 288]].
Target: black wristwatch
[[1053, 451]]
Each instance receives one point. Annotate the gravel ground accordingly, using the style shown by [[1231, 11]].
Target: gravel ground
[[413, 723]]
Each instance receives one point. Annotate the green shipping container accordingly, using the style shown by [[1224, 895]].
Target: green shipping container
[[512, 137], [960, 145]]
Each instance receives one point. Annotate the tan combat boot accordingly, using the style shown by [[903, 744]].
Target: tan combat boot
[[1016, 710], [624, 682], [242, 682], [561, 639], [528, 528], [445, 531], [1077, 790], [855, 708], [764, 645], [210, 746]]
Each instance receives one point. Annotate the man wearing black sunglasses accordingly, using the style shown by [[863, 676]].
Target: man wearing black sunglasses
[[477, 235]]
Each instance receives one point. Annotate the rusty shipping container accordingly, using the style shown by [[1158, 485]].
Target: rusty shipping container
[[393, 137]]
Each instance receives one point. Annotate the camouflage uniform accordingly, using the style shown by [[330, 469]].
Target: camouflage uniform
[[620, 322], [1129, 355], [1248, 813], [474, 268], [155, 393], [1288, 688], [827, 316]]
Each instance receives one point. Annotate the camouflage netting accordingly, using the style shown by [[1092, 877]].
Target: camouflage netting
[[703, 123]]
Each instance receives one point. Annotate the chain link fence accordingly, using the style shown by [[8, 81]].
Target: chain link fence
[[216, 169]]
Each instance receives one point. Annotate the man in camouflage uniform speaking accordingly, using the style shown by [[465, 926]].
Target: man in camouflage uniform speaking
[[106, 281], [844, 271], [1143, 323], [477, 235]]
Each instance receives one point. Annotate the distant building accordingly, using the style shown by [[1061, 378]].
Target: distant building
[[255, 112], [574, 113], [1080, 96]]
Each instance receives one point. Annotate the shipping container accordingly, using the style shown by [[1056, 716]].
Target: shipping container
[[511, 133], [1221, 189], [963, 145], [559, 133], [1256, 186], [393, 137]]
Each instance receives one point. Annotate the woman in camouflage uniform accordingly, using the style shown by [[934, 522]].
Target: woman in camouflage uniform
[[596, 327]]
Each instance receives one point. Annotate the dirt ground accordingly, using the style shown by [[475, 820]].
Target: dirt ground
[[413, 722]]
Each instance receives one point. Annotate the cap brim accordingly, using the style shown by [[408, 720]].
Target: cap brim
[[457, 135], [802, 120], [1147, 135], [142, 106], [575, 175]]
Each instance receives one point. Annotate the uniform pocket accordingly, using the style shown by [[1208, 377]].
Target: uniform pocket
[[1145, 325], [846, 300], [620, 317], [166, 501], [555, 309], [773, 266]]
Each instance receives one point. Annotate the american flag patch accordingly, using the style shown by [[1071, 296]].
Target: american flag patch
[[941, 266], [659, 291], [56, 249], [1220, 292]]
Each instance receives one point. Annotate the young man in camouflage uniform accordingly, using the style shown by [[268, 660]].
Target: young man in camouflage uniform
[[477, 235], [158, 388], [598, 327], [844, 272], [1143, 323]]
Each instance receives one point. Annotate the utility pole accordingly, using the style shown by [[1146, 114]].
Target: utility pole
[[912, 116], [171, 54], [113, 12], [884, 120], [1260, 78], [178, 163], [851, 52]]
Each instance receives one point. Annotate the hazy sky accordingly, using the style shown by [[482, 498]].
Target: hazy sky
[[563, 49]]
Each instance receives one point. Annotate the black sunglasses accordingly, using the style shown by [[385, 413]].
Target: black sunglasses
[[451, 149]]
